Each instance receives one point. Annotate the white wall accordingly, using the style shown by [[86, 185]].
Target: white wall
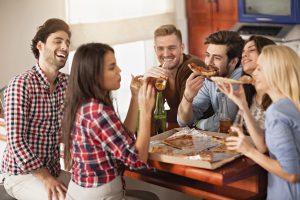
[[18, 21]]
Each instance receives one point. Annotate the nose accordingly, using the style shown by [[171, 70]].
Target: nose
[[64, 46], [209, 60], [166, 52]]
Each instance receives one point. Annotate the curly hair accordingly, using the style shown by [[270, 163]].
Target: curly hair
[[50, 26]]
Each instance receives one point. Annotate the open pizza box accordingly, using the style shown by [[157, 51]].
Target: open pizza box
[[209, 142]]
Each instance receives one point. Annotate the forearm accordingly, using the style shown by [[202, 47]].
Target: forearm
[[257, 135], [271, 165], [132, 115], [185, 110], [143, 137]]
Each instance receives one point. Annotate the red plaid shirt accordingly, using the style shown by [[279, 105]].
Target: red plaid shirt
[[101, 146], [32, 117]]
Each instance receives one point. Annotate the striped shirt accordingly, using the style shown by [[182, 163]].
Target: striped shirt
[[101, 146], [32, 119]]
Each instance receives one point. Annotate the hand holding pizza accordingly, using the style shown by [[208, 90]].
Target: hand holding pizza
[[237, 95]]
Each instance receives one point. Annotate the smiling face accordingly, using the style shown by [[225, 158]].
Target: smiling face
[[216, 56], [249, 57], [169, 49], [54, 52], [111, 72]]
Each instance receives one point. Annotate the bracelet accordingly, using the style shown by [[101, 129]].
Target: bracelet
[[190, 101]]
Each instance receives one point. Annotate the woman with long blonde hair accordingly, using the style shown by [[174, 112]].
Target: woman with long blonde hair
[[278, 74]]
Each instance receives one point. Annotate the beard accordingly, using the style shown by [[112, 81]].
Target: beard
[[51, 58]]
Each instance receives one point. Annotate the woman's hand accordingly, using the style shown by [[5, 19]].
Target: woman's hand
[[146, 97], [135, 84], [240, 143], [236, 95]]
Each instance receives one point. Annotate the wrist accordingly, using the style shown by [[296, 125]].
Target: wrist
[[189, 100]]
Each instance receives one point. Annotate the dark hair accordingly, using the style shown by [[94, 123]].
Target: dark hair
[[84, 83], [232, 40], [259, 42], [168, 29], [50, 26]]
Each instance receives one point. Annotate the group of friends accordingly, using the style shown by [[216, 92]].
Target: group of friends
[[44, 107]]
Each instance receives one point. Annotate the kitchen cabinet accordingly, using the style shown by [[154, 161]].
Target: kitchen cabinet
[[205, 17]]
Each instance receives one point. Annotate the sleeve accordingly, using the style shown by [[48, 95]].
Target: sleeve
[[201, 103], [17, 102], [117, 141], [282, 144]]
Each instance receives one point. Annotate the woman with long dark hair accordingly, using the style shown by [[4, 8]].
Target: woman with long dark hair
[[97, 144]]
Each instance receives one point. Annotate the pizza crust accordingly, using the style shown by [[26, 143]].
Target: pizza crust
[[242, 80]]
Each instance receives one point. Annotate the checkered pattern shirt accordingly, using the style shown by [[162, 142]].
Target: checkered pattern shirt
[[32, 117], [101, 146]]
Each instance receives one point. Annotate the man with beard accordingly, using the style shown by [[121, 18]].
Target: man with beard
[[173, 64], [33, 110], [224, 51]]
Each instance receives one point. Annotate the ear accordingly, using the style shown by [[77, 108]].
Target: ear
[[182, 47], [40, 45], [233, 63]]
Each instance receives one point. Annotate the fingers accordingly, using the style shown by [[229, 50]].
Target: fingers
[[156, 72], [238, 130]]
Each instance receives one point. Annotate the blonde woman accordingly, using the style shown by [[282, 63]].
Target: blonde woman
[[277, 73]]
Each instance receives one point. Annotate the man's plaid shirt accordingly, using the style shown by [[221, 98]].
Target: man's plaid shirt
[[32, 117]]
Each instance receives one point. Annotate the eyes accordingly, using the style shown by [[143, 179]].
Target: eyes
[[59, 41], [215, 57], [169, 48]]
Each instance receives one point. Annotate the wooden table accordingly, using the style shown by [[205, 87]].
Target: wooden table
[[239, 179]]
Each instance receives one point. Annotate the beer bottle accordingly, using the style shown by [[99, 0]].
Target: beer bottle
[[238, 122], [224, 118], [160, 115]]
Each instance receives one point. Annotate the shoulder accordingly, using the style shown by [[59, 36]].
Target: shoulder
[[237, 73], [22, 80], [94, 108], [283, 110]]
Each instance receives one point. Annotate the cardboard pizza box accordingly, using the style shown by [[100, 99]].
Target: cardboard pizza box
[[222, 159]]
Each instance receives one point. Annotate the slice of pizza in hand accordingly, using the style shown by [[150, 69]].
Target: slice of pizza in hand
[[206, 71], [242, 80]]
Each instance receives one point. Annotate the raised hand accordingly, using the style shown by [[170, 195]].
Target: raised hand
[[193, 84], [237, 95]]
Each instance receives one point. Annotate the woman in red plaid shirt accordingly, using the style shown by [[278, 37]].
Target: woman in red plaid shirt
[[97, 144]]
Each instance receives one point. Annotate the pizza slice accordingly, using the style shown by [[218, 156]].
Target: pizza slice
[[206, 71], [242, 80]]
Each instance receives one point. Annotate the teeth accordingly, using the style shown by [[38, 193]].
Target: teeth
[[167, 59], [61, 55]]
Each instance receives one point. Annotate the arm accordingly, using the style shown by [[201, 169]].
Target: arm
[[132, 113], [243, 145], [238, 97], [185, 108], [146, 103], [17, 104], [116, 140]]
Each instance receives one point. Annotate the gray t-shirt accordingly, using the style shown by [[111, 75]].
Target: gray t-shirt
[[283, 141]]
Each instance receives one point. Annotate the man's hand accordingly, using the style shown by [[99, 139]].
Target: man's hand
[[156, 72], [193, 84], [54, 187]]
